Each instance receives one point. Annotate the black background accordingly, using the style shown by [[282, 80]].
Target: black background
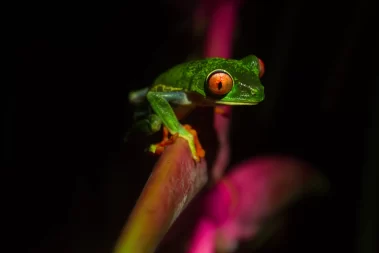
[[76, 65]]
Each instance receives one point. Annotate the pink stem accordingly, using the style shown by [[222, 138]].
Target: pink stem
[[220, 30], [219, 40]]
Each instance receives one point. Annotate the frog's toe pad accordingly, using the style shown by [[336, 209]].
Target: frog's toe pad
[[156, 149]]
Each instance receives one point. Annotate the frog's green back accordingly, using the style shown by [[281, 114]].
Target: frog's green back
[[191, 76], [178, 77]]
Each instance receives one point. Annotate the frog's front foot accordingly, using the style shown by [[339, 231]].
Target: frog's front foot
[[186, 132], [159, 147], [194, 143]]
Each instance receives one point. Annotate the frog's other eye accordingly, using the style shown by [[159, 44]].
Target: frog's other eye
[[219, 82], [261, 67]]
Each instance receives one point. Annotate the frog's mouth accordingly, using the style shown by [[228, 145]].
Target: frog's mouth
[[236, 103]]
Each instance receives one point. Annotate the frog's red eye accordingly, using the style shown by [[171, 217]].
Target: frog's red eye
[[220, 83], [261, 67]]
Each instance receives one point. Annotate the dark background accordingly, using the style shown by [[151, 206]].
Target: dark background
[[76, 65]]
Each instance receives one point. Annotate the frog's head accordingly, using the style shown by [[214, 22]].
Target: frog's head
[[237, 82]]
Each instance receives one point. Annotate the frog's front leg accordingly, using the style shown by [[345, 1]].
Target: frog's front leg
[[160, 102]]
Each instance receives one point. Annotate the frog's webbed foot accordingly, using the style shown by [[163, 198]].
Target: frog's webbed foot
[[186, 132], [158, 148], [199, 149]]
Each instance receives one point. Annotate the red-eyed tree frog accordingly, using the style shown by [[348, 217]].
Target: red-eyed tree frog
[[206, 82]]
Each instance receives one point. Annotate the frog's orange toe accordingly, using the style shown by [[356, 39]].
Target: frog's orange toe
[[160, 147], [187, 127]]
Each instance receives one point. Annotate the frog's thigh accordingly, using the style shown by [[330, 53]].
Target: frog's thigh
[[160, 102]]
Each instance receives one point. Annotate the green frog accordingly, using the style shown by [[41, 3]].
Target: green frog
[[205, 82]]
